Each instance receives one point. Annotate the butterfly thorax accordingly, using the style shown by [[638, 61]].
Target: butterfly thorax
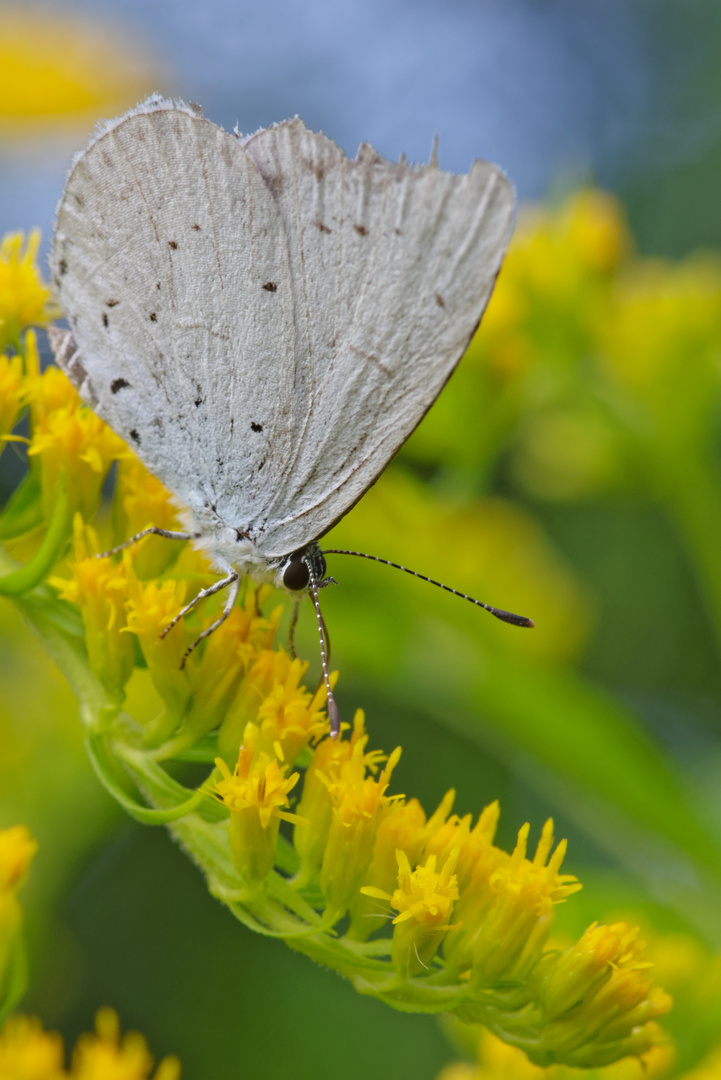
[[227, 546]]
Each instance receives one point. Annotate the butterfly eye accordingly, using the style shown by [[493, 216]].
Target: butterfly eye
[[297, 575]]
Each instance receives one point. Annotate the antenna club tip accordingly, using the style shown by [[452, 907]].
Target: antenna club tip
[[334, 718], [514, 620]]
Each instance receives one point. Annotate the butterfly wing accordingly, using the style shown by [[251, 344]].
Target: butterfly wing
[[171, 263], [391, 267]]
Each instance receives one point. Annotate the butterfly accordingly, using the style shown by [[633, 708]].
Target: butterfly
[[265, 321]]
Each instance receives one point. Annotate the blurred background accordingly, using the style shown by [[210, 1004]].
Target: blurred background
[[570, 472]]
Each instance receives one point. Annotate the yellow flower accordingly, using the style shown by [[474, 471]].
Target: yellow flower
[[290, 715], [68, 438], [29, 1053], [424, 899], [256, 793], [64, 71], [100, 589], [25, 300], [150, 609], [506, 923], [104, 1056], [315, 802], [268, 669], [359, 803], [599, 992], [229, 653], [17, 848], [402, 828], [11, 393], [659, 344], [142, 501]]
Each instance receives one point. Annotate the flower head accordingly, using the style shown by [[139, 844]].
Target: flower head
[[29, 1053], [25, 300], [67, 438], [424, 900], [100, 588], [358, 802], [103, 1055], [256, 793]]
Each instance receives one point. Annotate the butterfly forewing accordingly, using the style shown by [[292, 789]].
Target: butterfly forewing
[[172, 265]]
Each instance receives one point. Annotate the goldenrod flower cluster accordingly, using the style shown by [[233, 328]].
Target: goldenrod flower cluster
[[300, 835], [689, 970], [27, 1052]]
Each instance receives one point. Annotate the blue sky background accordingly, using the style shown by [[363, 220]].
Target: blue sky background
[[555, 92]]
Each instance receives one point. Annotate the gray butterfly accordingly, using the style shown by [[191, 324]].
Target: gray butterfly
[[265, 321]]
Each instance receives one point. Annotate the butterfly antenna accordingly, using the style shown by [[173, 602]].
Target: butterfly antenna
[[504, 616], [333, 711]]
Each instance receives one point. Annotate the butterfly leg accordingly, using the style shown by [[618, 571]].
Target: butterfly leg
[[232, 583], [217, 586], [154, 530], [291, 630]]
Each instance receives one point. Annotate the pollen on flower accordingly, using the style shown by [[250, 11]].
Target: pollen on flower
[[423, 894], [261, 787]]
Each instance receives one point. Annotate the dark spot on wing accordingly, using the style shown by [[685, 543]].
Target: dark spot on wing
[[196, 227], [322, 227], [153, 317], [232, 424], [398, 232], [440, 301], [261, 465], [270, 286], [198, 401], [361, 230], [118, 384], [157, 284], [318, 168], [111, 303], [79, 199], [63, 267], [172, 244], [105, 319], [242, 535], [135, 437], [256, 427]]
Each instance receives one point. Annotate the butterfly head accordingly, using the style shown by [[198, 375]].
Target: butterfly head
[[298, 570]]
